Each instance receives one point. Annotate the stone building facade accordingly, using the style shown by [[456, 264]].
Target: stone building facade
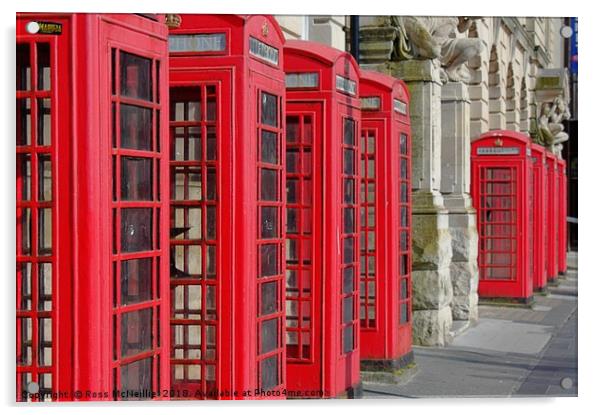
[[470, 76]]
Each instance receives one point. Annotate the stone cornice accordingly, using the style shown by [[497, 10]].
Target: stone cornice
[[521, 34]]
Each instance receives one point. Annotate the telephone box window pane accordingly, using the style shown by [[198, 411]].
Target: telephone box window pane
[[269, 297], [136, 377], [136, 332], [403, 265], [403, 193], [23, 67], [136, 126], [269, 222], [269, 373], [348, 339], [348, 250], [211, 153], [24, 325], [403, 168], [269, 184], [45, 177], [24, 122], [211, 222], [348, 309], [403, 144], [269, 260], [291, 221], [292, 129], [348, 276], [136, 178], [45, 231], [269, 335], [269, 109], [136, 78], [136, 229], [43, 66], [24, 174], [25, 286], [44, 125], [403, 289], [136, 280], [25, 231], [210, 262], [348, 161], [45, 342], [211, 184], [349, 132], [45, 286], [210, 112], [349, 191], [269, 147], [349, 220], [403, 215], [403, 313]]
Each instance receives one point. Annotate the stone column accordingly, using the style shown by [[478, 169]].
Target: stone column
[[455, 188], [431, 239]]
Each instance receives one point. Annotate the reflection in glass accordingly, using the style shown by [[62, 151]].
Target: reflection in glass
[[136, 377], [136, 126], [136, 78], [349, 132], [136, 229], [136, 280], [24, 122], [136, 332], [269, 109], [44, 125], [269, 260], [136, 178], [348, 339], [269, 297], [269, 335], [348, 250], [269, 222], [269, 373], [269, 147], [269, 184]]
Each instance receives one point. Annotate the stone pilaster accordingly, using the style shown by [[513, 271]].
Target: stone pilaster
[[455, 188], [431, 239]]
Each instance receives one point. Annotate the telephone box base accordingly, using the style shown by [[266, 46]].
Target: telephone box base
[[387, 365], [507, 301]]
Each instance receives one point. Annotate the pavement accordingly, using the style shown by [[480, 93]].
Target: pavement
[[510, 351]]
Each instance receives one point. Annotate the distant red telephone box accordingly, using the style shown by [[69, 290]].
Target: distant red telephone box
[[552, 215], [385, 221], [323, 198], [562, 214], [540, 236], [227, 207], [92, 208], [502, 183]]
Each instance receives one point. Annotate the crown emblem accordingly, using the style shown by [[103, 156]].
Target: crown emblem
[[264, 29], [499, 142]]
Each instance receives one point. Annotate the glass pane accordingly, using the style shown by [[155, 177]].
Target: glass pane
[[211, 112], [347, 309], [269, 184], [403, 168], [291, 221], [269, 109], [136, 178], [45, 231], [269, 260], [23, 122], [210, 262], [45, 286], [348, 250], [403, 294], [403, 313], [211, 222], [136, 229], [269, 373], [349, 220], [269, 297], [292, 129], [136, 280], [349, 191], [25, 230], [211, 153], [43, 66], [308, 132], [25, 331], [403, 144], [269, 335], [25, 288], [44, 132], [269, 147], [136, 332], [45, 342], [211, 184], [135, 377], [44, 177], [348, 277], [269, 222], [24, 175], [349, 132], [136, 125], [23, 67], [348, 161], [136, 78], [348, 339]]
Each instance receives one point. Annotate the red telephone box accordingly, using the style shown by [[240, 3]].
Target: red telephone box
[[227, 207], [385, 221], [502, 183], [540, 237], [322, 246], [552, 214], [92, 207], [562, 213]]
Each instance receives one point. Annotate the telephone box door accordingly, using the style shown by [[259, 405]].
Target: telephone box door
[[304, 277]]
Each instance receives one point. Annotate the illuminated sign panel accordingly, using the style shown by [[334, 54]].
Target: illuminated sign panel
[[214, 42], [263, 51]]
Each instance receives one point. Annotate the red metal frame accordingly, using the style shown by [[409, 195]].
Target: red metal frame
[[322, 89], [385, 271], [552, 216], [562, 214], [502, 188], [89, 162], [539, 216], [240, 69]]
